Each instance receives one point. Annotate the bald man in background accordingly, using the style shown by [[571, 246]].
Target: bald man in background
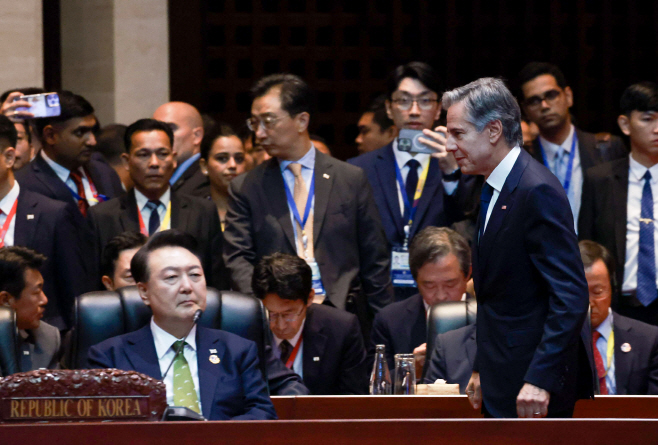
[[187, 125]]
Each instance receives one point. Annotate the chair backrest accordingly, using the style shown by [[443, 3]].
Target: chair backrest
[[106, 314], [9, 358], [446, 316]]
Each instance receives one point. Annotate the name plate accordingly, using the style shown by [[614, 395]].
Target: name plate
[[36, 409]]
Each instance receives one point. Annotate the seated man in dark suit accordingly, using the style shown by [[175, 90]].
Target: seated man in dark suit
[[21, 288], [625, 350], [453, 356], [215, 372], [320, 343], [152, 206], [440, 262]]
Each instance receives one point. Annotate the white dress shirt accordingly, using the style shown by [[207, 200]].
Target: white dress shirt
[[297, 365], [498, 177], [165, 352], [64, 174], [633, 212], [5, 205], [576, 187], [146, 212]]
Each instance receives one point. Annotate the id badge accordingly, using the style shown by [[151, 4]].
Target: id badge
[[400, 271], [317, 279]]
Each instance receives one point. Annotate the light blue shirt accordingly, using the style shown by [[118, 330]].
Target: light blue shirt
[[605, 328], [308, 167], [146, 212]]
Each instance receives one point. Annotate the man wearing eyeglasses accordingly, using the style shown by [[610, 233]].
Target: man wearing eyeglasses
[[305, 203], [567, 151], [320, 343], [414, 190]]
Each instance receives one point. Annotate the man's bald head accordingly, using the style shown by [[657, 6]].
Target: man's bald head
[[187, 124]]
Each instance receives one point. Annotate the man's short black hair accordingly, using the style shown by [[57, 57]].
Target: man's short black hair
[[591, 252], [72, 106], [287, 276], [147, 125], [166, 238], [296, 96], [8, 133], [378, 109], [433, 243], [109, 143], [640, 97], [14, 262], [536, 69], [114, 247], [219, 130], [420, 71]]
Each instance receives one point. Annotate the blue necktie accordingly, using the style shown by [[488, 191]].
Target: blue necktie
[[412, 181], [154, 219], [485, 199], [560, 157], [646, 259]]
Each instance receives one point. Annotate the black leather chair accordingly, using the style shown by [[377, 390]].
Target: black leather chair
[[106, 314], [446, 316], [9, 358]]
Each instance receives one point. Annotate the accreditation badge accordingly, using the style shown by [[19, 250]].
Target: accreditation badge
[[317, 279], [400, 271]]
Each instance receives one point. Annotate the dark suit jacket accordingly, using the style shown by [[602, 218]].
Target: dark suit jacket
[[636, 371], [234, 389], [435, 208], [193, 182], [453, 356], [193, 215], [46, 225], [334, 360], [350, 245], [401, 327], [532, 295], [44, 348]]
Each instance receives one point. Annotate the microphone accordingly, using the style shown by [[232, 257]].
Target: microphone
[[195, 319]]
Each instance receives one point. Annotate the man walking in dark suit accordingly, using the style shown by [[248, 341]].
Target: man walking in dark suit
[[529, 279], [215, 373], [151, 206], [320, 343], [618, 205], [306, 203]]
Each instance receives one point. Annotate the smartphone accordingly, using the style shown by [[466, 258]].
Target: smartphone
[[408, 141], [42, 105]]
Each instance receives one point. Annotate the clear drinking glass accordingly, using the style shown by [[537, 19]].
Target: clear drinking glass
[[405, 374]]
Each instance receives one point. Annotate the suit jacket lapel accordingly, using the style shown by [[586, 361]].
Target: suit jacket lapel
[[586, 150], [535, 151], [24, 228], [470, 347], [324, 179], [274, 188], [429, 196], [49, 178], [623, 360], [385, 168], [140, 352], [314, 345], [619, 206], [180, 212], [208, 375], [416, 312], [129, 217]]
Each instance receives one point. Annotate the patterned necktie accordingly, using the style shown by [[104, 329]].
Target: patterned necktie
[[600, 367], [286, 350], [300, 195], [646, 259], [83, 205], [485, 199], [154, 219], [184, 391], [411, 184]]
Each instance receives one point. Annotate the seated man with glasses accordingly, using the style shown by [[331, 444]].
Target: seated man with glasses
[[415, 190], [320, 343], [567, 151]]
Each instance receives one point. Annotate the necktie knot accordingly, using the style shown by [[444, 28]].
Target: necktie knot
[[177, 344], [295, 168], [487, 193], [153, 205], [595, 336], [286, 350], [647, 176], [413, 164]]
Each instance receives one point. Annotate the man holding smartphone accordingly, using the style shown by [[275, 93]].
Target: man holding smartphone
[[414, 190]]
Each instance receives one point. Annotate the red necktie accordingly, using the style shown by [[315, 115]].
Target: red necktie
[[598, 360], [83, 205]]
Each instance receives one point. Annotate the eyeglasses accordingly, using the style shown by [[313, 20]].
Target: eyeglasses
[[223, 158], [548, 96], [268, 122], [288, 318], [424, 103]]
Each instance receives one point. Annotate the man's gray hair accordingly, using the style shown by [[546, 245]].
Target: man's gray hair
[[486, 100]]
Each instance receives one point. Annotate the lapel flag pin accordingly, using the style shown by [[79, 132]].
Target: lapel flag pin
[[325, 176], [626, 347], [504, 207], [316, 359], [214, 359], [30, 216], [213, 351]]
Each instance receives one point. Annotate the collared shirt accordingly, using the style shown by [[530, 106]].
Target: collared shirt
[[402, 157], [5, 205], [498, 177], [297, 365], [184, 166], [164, 342], [64, 174], [308, 167], [605, 328], [633, 212], [575, 191], [146, 212]]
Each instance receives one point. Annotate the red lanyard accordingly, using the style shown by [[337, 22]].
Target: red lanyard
[[293, 354], [142, 227], [5, 227]]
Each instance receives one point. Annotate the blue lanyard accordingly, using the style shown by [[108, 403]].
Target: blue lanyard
[[99, 197], [567, 176], [309, 202], [408, 208]]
